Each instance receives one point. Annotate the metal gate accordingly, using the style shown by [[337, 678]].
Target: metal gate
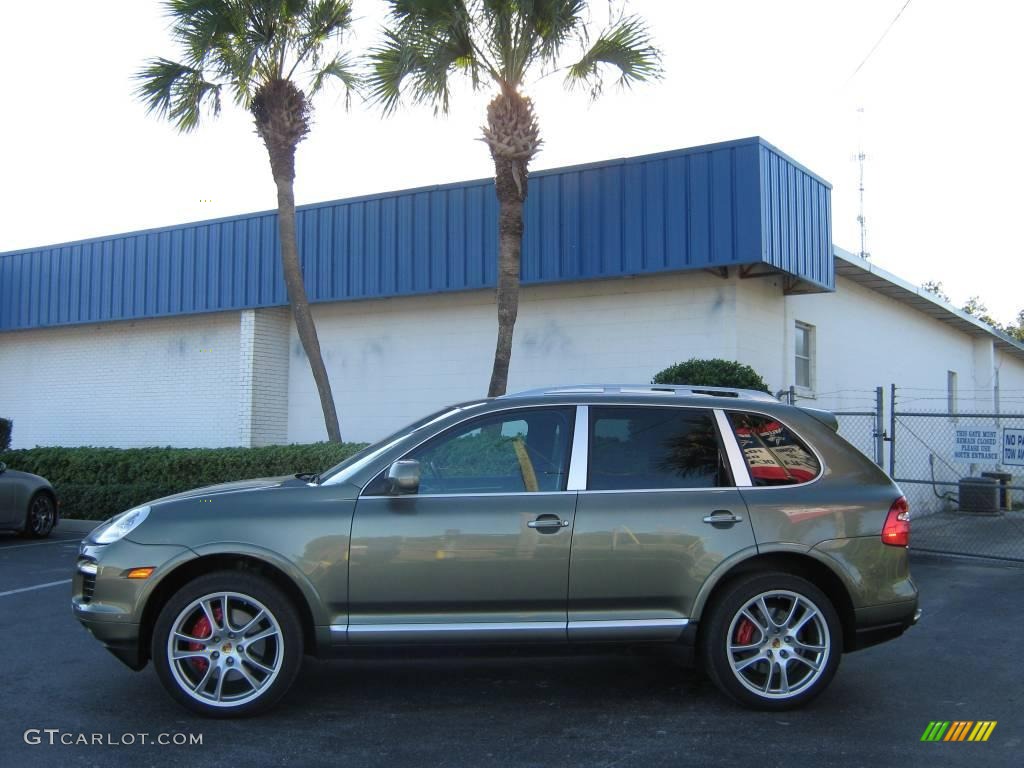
[[862, 426], [963, 474], [961, 470]]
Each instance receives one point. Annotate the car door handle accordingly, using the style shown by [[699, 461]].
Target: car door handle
[[548, 523], [722, 516]]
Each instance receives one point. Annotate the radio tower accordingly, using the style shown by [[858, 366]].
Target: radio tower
[[860, 157]]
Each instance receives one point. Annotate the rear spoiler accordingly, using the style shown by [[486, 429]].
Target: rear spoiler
[[825, 417]]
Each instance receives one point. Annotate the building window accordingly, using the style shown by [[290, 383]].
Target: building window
[[804, 351], [951, 392]]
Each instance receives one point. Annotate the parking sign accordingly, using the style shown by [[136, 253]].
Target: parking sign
[[1013, 447]]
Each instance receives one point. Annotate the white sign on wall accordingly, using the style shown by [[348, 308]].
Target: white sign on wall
[[1013, 447], [976, 444]]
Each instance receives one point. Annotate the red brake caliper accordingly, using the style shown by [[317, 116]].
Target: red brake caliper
[[202, 629], [744, 632]]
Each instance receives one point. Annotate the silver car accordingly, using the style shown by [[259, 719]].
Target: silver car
[[28, 503]]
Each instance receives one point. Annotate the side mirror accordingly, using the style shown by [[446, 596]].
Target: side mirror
[[404, 476]]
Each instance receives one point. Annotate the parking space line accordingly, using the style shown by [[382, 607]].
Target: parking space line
[[37, 586], [40, 544]]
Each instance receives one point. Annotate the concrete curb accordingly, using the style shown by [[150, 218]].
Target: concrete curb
[[71, 525]]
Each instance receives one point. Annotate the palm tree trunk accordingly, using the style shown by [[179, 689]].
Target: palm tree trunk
[[511, 193], [300, 303]]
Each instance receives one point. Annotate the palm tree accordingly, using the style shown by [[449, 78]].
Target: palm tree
[[502, 43], [255, 50]]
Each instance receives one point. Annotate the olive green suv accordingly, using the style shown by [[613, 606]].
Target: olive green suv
[[719, 522]]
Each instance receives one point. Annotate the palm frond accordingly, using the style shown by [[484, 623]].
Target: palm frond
[[426, 41], [342, 68], [391, 63], [322, 21], [199, 23], [625, 46], [554, 22], [177, 92]]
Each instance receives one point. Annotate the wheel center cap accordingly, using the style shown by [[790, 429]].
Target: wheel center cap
[[776, 643], [226, 648]]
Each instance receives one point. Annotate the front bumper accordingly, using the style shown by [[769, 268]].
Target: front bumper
[[109, 604]]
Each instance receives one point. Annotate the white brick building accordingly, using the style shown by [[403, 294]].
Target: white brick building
[[179, 337]]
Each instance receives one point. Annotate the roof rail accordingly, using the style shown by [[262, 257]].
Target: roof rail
[[682, 390]]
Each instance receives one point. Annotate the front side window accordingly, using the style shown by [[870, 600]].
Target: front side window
[[774, 455], [650, 448], [522, 451]]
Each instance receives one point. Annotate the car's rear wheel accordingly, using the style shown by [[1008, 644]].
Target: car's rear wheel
[[40, 517], [228, 644], [772, 641]]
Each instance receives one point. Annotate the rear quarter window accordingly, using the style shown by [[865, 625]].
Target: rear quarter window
[[772, 451]]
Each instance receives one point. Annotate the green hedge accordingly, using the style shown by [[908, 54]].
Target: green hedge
[[95, 483], [713, 372]]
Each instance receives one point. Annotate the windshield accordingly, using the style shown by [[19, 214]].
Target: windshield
[[340, 473]]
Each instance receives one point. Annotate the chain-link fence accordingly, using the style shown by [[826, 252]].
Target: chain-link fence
[[860, 415], [959, 458], [963, 474], [860, 428]]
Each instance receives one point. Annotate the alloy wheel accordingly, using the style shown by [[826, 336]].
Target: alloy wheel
[[225, 649], [778, 644], [40, 516]]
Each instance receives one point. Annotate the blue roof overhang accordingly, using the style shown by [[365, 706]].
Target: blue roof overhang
[[739, 206]]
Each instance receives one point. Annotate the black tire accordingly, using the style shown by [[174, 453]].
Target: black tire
[[40, 517], [753, 659], [280, 651]]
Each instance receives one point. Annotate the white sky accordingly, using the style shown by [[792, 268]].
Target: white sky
[[941, 98]]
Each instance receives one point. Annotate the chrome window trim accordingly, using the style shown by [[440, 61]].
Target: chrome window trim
[[702, 489], [740, 471], [464, 495], [573, 479], [579, 457]]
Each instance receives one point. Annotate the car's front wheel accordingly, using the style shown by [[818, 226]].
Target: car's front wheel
[[772, 641], [41, 516], [228, 644]]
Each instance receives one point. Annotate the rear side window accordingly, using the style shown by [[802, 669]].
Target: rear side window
[[638, 448], [774, 455]]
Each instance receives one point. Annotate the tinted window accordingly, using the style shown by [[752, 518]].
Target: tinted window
[[774, 455], [522, 451], [633, 448]]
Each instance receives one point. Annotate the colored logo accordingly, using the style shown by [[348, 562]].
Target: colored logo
[[959, 730]]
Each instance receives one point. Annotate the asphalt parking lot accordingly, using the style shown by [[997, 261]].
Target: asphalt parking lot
[[963, 662]]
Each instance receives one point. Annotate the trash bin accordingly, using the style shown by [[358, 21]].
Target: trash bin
[[1004, 478], [979, 496]]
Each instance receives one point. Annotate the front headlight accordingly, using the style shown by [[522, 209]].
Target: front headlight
[[119, 526]]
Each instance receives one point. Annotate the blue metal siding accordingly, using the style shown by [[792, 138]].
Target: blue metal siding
[[796, 219], [740, 202]]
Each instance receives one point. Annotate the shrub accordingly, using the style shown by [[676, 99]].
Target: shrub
[[712, 373], [95, 483], [6, 427]]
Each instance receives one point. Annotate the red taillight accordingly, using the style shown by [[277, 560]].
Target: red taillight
[[896, 531]]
